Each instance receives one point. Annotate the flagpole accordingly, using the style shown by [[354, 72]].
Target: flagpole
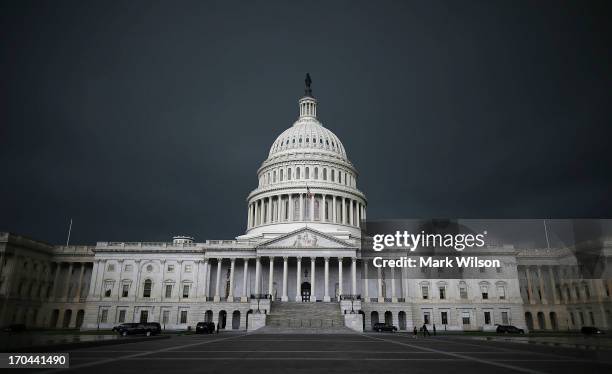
[[69, 230]]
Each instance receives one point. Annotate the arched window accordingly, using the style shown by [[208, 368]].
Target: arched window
[[324, 174], [274, 176], [333, 175], [146, 291], [281, 175], [307, 173], [316, 173], [289, 174], [297, 173]]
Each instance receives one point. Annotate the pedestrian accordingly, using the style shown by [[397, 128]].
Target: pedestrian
[[415, 333], [425, 331], [218, 326], [434, 329]]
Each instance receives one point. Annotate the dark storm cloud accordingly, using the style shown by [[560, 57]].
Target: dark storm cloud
[[141, 120]]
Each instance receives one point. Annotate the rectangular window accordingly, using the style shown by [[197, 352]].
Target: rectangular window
[[183, 316], [444, 318], [125, 291], [165, 317], [501, 291], [107, 293], [121, 318], [187, 268], [487, 318], [426, 318], [168, 290], [170, 268], [104, 316], [442, 293], [128, 267], [485, 295], [499, 270], [425, 291], [185, 291], [111, 267], [465, 318], [463, 292], [505, 319]]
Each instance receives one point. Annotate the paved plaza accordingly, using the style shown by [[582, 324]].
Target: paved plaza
[[348, 353]]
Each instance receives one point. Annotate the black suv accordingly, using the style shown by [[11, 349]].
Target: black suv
[[147, 329], [503, 329], [205, 327], [380, 327], [590, 330]]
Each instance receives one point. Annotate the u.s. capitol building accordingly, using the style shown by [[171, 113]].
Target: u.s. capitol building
[[297, 266]]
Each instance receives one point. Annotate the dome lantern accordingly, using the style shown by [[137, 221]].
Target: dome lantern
[[308, 104]]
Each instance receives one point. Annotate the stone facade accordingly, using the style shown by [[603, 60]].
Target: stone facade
[[302, 244]]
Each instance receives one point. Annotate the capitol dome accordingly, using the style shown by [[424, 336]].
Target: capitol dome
[[308, 135], [307, 179]]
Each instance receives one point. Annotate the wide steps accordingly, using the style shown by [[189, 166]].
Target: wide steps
[[305, 317]]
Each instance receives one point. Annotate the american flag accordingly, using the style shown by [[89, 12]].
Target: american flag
[[308, 193]]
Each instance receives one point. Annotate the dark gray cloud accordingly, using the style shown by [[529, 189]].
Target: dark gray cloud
[[145, 119]]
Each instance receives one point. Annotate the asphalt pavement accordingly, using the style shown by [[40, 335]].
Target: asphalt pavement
[[241, 353]]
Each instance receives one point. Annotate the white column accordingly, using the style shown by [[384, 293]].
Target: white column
[[324, 207], [92, 280], [77, 296], [366, 292], [298, 283], [393, 297], [381, 297], [271, 278], [261, 211], [245, 294], [301, 207], [339, 277], [201, 290], [68, 278], [257, 274], [290, 209], [217, 285], [285, 270], [354, 275], [312, 201], [344, 220], [358, 214], [230, 295], [278, 208], [269, 214], [313, 297], [204, 279], [351, 221], [334, 209], [326, 297], [249, 217]]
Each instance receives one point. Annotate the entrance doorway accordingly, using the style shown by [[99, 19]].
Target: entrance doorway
[[305, 291], [144, 316]]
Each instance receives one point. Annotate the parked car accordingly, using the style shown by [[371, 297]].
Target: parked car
[[380, 327], [509, 329], [16, 327], [590, 330], [205, 327], [147, 329]]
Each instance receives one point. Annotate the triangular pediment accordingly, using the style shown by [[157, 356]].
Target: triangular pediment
[[305, 238]]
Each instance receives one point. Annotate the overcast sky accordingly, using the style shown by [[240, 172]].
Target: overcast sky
[[145, 119]]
